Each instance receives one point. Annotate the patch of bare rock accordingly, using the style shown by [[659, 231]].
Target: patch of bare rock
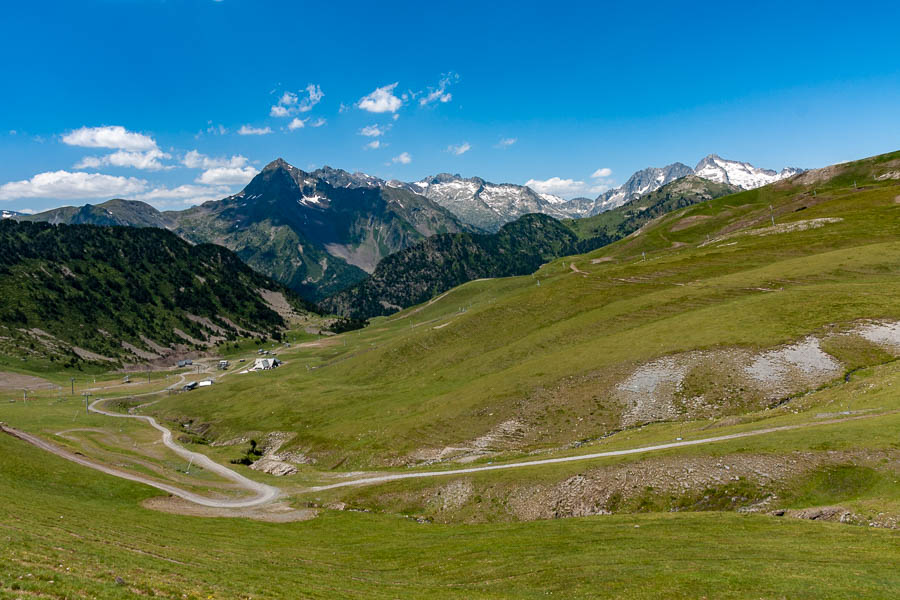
[[279, 463]]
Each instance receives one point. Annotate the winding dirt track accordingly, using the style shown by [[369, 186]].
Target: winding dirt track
[[266, 493], [262, 493], [563, 459]]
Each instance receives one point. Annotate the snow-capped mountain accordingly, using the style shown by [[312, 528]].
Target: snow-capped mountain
[[488, 206], [484, 204], [713, 167], [9, 214], [643, 182], [741, 174]]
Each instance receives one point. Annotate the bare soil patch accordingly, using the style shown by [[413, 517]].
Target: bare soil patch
[[276, 462], [575, 268], [505, 436], [272, 513], [792, 227], [688, 222], [17, 381]]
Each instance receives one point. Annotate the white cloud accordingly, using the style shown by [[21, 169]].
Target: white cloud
[[598, 189], [314, 95], [601, 172], [196, 160], [163, 197], [297, 123], [216, 129], [148, 160], [459, 148], [250, 130], [374, 145], [318, 122], [556, 186], [382, 100], [226, 175], [374, 130], [290, 103], [403, 158], [114, 136], [439, 93], [64, 185], [505, 143]]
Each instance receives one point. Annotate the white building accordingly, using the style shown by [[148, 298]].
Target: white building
[[265, 364]]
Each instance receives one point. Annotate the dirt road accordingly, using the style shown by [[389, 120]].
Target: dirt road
[[563, 459], [262, 493], [266, 493]]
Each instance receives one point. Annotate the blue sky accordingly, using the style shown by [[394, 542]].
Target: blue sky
[[147, 99]]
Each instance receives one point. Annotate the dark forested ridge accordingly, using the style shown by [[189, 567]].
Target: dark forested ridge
[[443, 261], [69, 292], [434, 266]]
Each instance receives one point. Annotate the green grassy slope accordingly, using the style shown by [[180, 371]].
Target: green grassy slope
[[624, 220], [67, 535], [547, 350]]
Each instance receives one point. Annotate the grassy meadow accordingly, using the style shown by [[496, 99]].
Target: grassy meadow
[[545, 352]]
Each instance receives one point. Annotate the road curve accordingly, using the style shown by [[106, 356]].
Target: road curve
[[563, 459], [264, 493]]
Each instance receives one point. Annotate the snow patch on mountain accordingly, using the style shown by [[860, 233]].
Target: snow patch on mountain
[[741, 174], [484, 204]]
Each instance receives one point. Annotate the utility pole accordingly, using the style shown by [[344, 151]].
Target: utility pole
[[86, 396], [772, 214], [73, 385]]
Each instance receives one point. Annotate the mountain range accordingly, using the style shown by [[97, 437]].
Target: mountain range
[[487, 206], [323, 231], [426, 269], [310, 231], [712, 167]]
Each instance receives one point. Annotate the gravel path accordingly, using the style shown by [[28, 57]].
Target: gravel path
[[563, 459], [264, 493]]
